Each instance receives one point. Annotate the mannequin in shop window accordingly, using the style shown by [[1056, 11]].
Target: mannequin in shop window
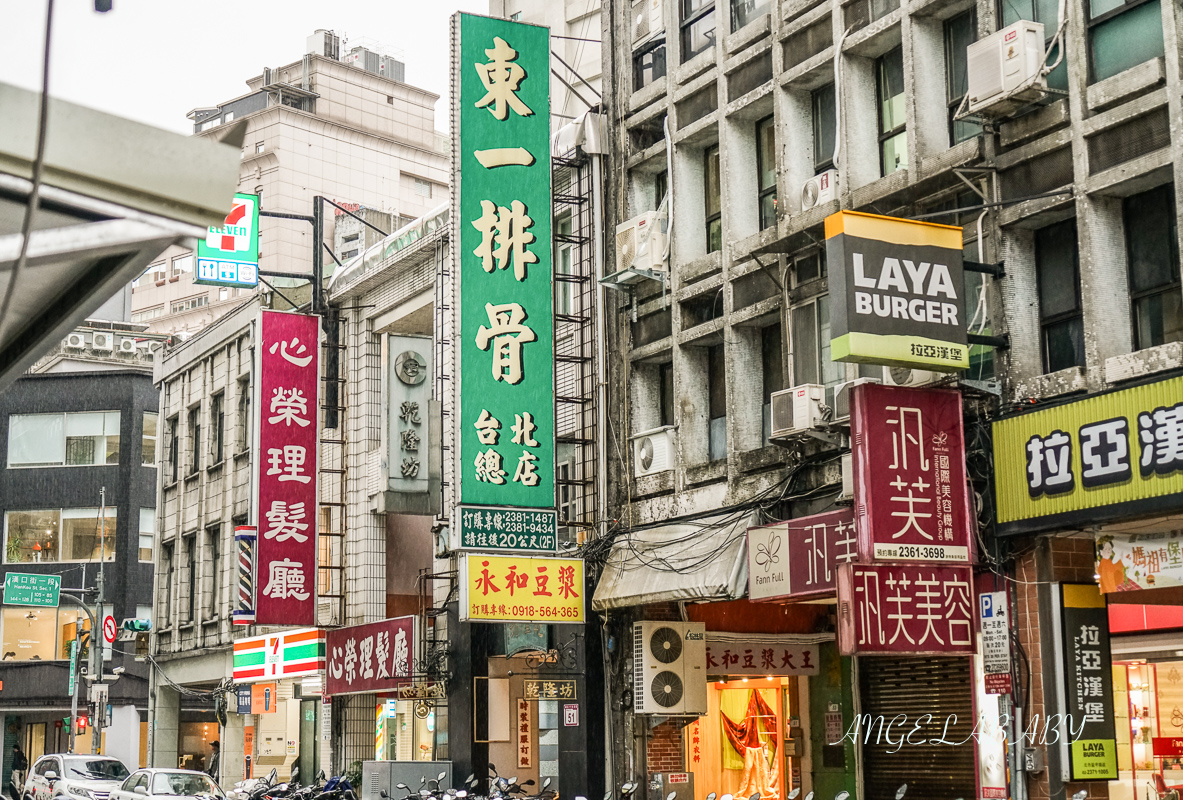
[[754, 738]]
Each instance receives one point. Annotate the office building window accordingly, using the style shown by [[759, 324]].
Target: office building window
[[648, 64], [772, 358], [53, 535], [1047, 12], [698, 27], [810, 346], [172, 457], [1123, 35], [766, 170], [182, 264], [716, 403], [564, 253], [744, 12], [148, 440], [661, 185], [422, 187], [666, 392], [1153, 258], [194, 439], [75, 439], [960, 33], [147, 533], [714, 203], [258, 147], [213, 582], [1060, 316], [40, 634], [825, 125], [164, 596], [243, 425], [217, 427], [190, 303], [893, 112], [189, 587]]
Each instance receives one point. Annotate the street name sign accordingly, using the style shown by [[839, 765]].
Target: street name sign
[[23, 589]]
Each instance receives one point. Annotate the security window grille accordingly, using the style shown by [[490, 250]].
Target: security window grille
[[893, 114], [717, 403], [960, 33], [666, 392], [766, 171], [1123, 35], [1153, 258], [217, 427], [173, 455], [1060, 315], [714, 205], [148, 441], [194, 439], [825, 122], [745, 12], [698, 27], [564, 251], [648, 65]]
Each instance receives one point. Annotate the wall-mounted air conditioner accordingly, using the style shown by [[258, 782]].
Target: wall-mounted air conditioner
[[798, 410], [1005, 70], [75, 341], [127, 345], [819, 190], [104, 342], [653, 452], [842, 397], [640, 243], [903, 376], [669, 668], [647, 19]]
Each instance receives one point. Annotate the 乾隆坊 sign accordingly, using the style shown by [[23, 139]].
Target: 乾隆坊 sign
[[502, 195], [899, 293], [1106, 457]]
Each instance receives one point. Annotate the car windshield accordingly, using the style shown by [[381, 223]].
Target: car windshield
[[96, 769], [184, 784]]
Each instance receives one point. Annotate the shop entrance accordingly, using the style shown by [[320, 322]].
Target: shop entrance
[[1148, 711], [524, 716]]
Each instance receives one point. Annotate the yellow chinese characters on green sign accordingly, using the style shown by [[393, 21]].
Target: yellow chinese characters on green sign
[[1105, 457], [505, 327]]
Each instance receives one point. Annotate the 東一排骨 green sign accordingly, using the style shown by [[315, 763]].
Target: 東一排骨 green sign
[[505, 329]]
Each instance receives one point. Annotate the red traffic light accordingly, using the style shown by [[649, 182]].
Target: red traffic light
[[83, 721]]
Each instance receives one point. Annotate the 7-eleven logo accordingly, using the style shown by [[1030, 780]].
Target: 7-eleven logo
[[235, 235]]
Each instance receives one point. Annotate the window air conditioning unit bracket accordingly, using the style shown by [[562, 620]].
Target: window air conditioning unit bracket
[[800, 413]]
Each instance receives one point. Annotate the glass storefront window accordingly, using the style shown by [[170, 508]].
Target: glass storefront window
[[51, 535], [401, 734], [38, 634]]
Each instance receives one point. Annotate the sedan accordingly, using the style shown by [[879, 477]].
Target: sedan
[[168, 783]]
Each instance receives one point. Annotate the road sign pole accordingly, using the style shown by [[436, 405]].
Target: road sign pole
[[73, 688]]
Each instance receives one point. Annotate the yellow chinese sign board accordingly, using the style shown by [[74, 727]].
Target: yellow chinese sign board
[[1106, 457], [521, 589], [502, 237]]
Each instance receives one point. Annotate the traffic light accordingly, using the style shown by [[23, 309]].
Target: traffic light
[[83, 722], [137, 625]]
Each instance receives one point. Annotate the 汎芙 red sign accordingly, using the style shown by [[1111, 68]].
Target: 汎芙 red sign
[[799, 558], [370, 658], [919, 609], [909, 461], [287, 403]]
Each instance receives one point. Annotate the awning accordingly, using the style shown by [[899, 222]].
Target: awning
[[701, 560]]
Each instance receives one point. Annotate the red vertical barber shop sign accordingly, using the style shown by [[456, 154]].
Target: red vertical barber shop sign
[[912, 501], [287, 405]]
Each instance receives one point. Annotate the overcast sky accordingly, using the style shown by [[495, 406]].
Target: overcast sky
[[154, 60]]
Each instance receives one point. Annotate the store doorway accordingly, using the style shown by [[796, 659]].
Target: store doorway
[[1148, 712]]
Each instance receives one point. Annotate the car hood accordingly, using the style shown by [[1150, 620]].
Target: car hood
[[99, 785]]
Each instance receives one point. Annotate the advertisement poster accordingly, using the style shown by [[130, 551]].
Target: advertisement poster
[[913, 501], [521, 589], [1139, 561], [264, 698], [286, 413], [799, 558], [1088, 682]]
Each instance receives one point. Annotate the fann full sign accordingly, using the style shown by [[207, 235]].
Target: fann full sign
[[287, 403], [502, 214]]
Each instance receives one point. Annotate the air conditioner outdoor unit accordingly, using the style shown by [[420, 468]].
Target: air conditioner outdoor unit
[[127, 345], [646, 19], [842, 396], [102, 341], [819, 190], [653, 452], [1005, 70], [640, 243], [76, 341], [669, 668], [903, 376], [798, 410]]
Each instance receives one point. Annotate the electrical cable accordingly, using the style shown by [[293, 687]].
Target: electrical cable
[[38, 165]]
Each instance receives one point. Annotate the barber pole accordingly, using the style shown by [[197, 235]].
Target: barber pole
[[244, 537]]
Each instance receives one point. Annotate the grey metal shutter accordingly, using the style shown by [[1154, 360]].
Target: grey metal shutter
[[916, 687]]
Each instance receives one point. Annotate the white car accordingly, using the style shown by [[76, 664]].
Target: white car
[[168, 784], [73, 777]]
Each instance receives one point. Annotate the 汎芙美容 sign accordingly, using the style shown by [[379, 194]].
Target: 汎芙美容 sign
[[1110, 456], [286, 407], [799, 558], [905, 609], [898, 292], [497, 588], [912, 500], [376, 657], [505, 423]]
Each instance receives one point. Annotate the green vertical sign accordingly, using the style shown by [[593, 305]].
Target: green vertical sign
[[73, 663], [502, 196]]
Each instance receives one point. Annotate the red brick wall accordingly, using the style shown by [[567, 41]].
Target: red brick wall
[[666, 753]]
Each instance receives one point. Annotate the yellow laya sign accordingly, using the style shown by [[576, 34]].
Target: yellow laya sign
[[1105, 457], [521, 589]]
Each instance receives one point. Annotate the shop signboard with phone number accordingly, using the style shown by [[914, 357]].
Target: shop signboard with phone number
[[521, 589]]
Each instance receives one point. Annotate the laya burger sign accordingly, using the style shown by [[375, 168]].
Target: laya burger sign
[[898, 292]]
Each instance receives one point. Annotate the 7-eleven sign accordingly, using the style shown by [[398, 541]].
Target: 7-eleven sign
[[229, 254]]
